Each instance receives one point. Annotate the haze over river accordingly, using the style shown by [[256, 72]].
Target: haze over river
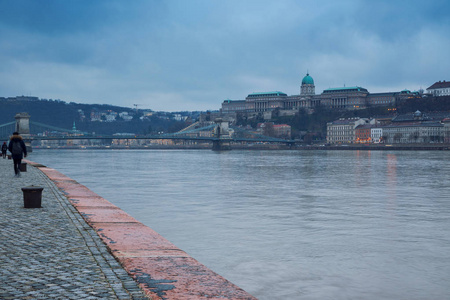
[[289, 224]]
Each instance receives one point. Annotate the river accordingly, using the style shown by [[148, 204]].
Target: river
[[289, 224]]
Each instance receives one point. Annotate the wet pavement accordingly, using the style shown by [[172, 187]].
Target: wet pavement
[[51, 252]]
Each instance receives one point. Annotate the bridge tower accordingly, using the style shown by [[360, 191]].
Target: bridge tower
[[23, 128], [223, 136]]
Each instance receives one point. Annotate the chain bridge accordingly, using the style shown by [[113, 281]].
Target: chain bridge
[[219, 133]]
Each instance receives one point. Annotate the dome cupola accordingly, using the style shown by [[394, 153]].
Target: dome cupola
[[308, 79], [307, 88]]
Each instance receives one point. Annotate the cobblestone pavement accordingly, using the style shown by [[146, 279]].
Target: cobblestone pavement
[[50, 252]]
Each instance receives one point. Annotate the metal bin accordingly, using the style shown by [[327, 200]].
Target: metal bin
[[32, 196]]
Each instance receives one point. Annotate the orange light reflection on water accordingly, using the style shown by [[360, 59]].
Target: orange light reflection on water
[[392, 180]]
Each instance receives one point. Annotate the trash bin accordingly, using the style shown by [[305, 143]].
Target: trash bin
[[23, 167], [32, 196]]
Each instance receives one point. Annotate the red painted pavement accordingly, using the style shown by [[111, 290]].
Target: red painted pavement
[[162, 270]]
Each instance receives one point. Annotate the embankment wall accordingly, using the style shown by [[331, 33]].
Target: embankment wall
[[162, 270]]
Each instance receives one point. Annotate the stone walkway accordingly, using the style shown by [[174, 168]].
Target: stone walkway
[[50, 252]]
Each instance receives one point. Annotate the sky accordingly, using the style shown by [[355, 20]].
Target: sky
[[189, 55]]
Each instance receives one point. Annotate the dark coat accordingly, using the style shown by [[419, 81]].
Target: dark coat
[[17, 139], [4, 148]]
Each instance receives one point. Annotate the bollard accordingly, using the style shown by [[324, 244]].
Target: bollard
[[9, 157], [32, 196], [23, 167]]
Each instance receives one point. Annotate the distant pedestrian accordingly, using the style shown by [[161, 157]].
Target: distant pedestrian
[[18, 151], [4, 148]]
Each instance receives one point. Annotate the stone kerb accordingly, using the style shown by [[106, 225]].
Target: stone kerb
[[161, 269]]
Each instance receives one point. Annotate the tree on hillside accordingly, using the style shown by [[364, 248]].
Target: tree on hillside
[[268, 129]]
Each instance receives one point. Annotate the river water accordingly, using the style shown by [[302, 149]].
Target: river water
[[289, 224]]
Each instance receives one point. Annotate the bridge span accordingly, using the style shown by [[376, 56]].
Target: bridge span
[[220, 134]]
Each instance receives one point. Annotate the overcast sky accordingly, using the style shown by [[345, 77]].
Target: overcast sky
[[191, 55]]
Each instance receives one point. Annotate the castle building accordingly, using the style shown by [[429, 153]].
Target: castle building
[[344, 98], [260, 102]]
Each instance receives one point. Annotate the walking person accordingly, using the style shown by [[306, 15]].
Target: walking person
[[18, 151], [4, 148]]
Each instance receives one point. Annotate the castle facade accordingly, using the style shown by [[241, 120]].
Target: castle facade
[[344, 98]]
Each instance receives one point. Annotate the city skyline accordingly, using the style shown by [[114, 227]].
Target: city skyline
[[176, 55]]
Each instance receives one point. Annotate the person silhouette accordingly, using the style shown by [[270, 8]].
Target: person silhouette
[[4, 148], [18, 151]]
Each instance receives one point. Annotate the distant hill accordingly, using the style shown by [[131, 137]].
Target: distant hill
[[99, 118]]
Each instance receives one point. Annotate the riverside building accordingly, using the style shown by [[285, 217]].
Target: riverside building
[[343, 98], [414, 128], [424, 132], [343, 131]]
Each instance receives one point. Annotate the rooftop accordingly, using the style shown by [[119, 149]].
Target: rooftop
[[345, 89], [382, 94], [267, 94], [233, 101], [429, 116], [345, 121], [365, 126], [416, 124], [440, 85]]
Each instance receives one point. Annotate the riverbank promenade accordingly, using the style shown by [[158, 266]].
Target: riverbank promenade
[[78, 245], [50, 252]]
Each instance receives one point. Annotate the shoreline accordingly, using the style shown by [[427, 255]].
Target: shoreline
[[399, 147]]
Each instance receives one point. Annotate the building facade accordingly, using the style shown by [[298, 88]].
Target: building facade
[[446, 130], [261, 102], [282, 131], [274, 130], [234, 106], [440, 88], [416, 128], [413, 133], [344, 98], [342, 131], [363, 134], [376, 133]]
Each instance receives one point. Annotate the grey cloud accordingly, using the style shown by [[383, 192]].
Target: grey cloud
[[201, 52]]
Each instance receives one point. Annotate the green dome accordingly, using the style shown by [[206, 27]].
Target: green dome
[[307, 79]]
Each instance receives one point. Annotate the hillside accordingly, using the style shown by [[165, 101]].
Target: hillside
[[102, 119]]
